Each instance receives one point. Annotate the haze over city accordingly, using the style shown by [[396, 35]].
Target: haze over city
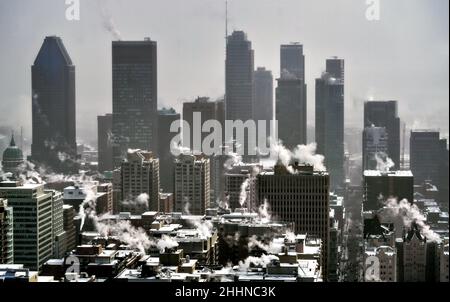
[[403, 56]]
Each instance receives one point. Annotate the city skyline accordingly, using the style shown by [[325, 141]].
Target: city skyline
[[365, 77]]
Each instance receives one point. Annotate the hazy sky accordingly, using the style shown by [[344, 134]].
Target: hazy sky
[[403, 56]]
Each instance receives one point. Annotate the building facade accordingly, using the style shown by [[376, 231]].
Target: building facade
[[105, 143]]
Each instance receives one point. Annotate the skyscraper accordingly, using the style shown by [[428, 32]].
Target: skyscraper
[[302, 198], [134, 73], [53, 107], [263, 97], [381, 185], [33, 222], [140, 174], [6, 233], [105, 148], [330, 119], [291, 110], [166, 160], [429, 160], [384, 114], [292, 60], [375, 145], [192, 184]]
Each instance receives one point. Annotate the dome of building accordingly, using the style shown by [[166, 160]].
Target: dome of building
[[12, 156]]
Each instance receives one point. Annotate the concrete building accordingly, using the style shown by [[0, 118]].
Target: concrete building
[[140, 174], [385, 114], [166, 159], [69, 227], [301, 198], [134, 93], [443, 261], [33, 234], [166, 202], [379, 186], [6, 233], [192, 184], [240, 186], [375, 146], [386, 265], [412, 257], [330, 120], [53, 107], [105, 142]]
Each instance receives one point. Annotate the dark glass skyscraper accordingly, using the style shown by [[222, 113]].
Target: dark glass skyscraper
[[134, 73], [292, 60], [239, 69], [291, 105], [330, 119], [429, 160], [104, 137], [53, 107], [263, 98], [384, 114]]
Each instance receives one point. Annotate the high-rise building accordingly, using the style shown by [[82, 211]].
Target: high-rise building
[[239, 67], [134, 73], [301, 198], [6, 233], [429, 160], [291, 110], [195, 114], [166, 159], [105, 140], [292, 60], [192, 184], [375, 147], [140, 175], [330, 119], [387, 256], [263, 97], [69, 226], [33, 222], [240, 186], [105, 203], [381, 185], [12, 158], [59, 234], [385, 114], [53, 107]]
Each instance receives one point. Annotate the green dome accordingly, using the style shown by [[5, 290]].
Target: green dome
[[12, 153]]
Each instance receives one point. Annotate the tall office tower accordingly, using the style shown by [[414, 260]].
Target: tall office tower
[[240, 186], [263, 97], [384, 114], [12, 158], [104, 140], [292, 60], [195, 114], [6, 233], [330, 119], [32, 217], [59, 234], [375, 147], [291, 110], [301, 198], [69, 227], [429, 160], [239, 68], [166, 160], [140, 174], [134, 73], [53, 108], [381, 185], [192, 184]]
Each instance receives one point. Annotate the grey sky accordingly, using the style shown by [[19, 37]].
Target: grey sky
[[404, 56]]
